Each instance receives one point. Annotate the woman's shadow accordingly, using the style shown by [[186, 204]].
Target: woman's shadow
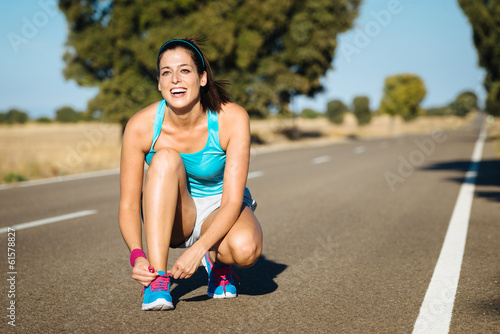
[[256, 280]]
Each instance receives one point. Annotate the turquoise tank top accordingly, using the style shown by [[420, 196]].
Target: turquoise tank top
[[205, 168]]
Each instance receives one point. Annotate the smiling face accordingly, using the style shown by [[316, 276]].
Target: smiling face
[[179, 82]]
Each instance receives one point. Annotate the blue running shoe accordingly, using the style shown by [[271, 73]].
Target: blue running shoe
[[220, 279], [157, 294]]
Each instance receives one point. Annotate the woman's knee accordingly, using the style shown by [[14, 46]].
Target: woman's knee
[[165, 161], [245, 250]]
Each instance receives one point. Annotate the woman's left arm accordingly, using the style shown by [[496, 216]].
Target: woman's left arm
[[235, 127]]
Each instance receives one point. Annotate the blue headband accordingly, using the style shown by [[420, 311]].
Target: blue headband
[[182, 41]]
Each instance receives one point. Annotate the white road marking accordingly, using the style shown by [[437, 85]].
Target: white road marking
[[60, 179], [48, 220], [359, 149], [321, 160], [253, 175], [435, 312]]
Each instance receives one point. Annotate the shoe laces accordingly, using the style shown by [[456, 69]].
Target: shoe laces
[[160, 283], [222, 275]]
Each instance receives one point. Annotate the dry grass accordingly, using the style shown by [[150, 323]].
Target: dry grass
[[271, 131], [33, 151]]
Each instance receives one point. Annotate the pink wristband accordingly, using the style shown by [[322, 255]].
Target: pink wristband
[[135, 254]]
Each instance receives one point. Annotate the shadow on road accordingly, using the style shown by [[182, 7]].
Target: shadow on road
[[488, 175], [259, 279], [256, 280]]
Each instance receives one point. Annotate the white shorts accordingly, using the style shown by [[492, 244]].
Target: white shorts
[[204, 207]]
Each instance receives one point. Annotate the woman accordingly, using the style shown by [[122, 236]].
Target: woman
[[197, 144]]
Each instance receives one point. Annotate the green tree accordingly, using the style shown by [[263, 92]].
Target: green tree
[[309, 113], [335, 110], [402, 96], [439, 111], [361, 109], [464, 103], [14, 116], [68, 115], [269, 50], [44, 119], [484, 17]]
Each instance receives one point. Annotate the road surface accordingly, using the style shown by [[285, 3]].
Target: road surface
[[352, 237]]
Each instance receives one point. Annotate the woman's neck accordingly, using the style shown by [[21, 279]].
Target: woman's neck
[[187, 117]]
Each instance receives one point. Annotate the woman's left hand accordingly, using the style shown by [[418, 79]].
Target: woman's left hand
[[187, 264]]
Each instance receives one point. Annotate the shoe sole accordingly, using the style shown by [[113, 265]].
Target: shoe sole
[[226, 295], [158, 305]]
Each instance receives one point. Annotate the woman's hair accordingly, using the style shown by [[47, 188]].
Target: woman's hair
[[213, 94]]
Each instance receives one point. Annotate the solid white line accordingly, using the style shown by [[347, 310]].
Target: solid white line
[[60, 179], [253, 175], [321, 160], [48, 220], [435, 313]]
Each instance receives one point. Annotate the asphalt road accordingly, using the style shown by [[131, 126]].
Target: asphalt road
[[352, 235]]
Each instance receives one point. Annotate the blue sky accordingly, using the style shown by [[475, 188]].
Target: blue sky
[[426, 37]]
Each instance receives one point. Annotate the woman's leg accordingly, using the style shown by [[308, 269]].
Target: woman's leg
[[169, 210], [242, 245]]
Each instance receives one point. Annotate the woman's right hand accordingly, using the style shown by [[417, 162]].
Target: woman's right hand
[[141, 272]]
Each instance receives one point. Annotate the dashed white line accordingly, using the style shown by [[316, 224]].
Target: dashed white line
[[61, 179], [321, 159], [49, 220], [436, 310], [359, 149], [253, 175]]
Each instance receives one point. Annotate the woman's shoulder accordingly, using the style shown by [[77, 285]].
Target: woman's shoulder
[[233, 112], [142, 121], [234, 122]]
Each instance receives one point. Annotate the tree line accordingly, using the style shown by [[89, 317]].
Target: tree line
[[402, 95], [64, 115]]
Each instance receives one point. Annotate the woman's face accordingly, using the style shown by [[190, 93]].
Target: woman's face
[[179, 82]]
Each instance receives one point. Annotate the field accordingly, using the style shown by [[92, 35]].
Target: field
[[273, 131], [34, 151]]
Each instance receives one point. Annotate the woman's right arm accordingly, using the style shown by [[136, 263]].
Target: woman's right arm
[[131, 177]]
